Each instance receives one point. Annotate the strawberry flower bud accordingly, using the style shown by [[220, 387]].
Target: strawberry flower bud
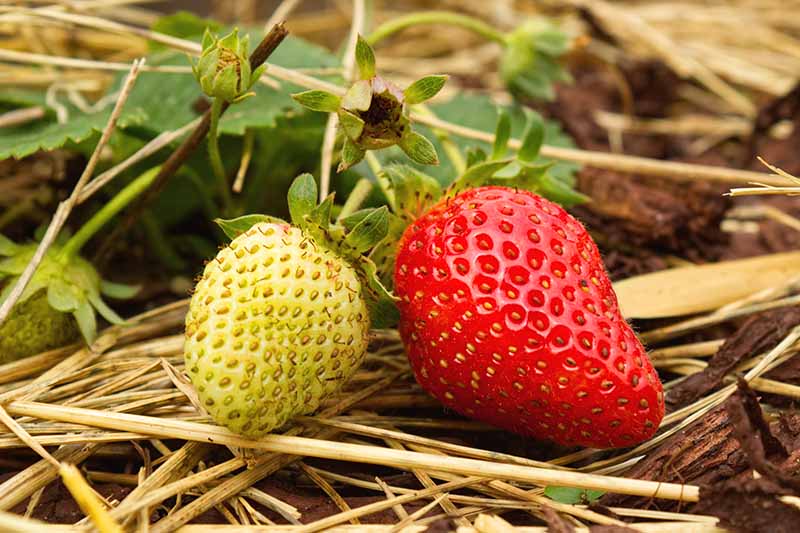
[[530, 62], [223, 69], [373, 113]]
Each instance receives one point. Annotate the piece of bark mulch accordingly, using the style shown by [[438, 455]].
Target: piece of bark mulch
[[746, 503], [703, 453], [654, 214], [755, 437], [749, 505], [758, 334]]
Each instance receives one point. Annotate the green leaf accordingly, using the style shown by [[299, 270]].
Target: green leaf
[[351, 155], [159, 102], [302, 197], [418, 148], [236, 226], [502, 133], [87, 322], [358, 97], [317, 100], [62, 296], [424, 89], [572, 495], [351, 124], [380, 302], [182, 24], [533, 139], [369, 232], [119, 291], [365, 59]]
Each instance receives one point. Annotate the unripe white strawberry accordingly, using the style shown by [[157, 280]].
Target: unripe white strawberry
[[275, 324], [280, 319]]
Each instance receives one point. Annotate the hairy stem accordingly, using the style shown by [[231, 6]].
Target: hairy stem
[[114, 206], [436, 17]]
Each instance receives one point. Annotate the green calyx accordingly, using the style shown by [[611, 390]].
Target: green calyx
[[373, 112], [223, 69], [531, 61], [411, 192], [351, 239], [60, 300], [65, 290]]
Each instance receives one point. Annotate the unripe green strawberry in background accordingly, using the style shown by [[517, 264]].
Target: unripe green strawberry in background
[[279, 319], [33, 327], [59, 303]]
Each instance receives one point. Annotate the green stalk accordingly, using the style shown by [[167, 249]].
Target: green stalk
[[436, 17], [215, 157], [357, 196], [114, 206]]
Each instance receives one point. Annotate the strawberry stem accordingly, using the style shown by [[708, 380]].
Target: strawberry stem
[[215, 157], [436, 17], [357, 196], [108, 211]]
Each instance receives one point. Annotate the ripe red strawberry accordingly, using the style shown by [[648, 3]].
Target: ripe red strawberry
[[508, 316]]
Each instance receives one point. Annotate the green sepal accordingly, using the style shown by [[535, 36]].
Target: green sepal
[[418, 148], [556, 190], [119, 291], [231, 40], [208, 39], [358, 97], [103, 308], [424, 89], [321, 214], [413, 191], [234, 227], [87, 323], [532, 139], [478, 175], [256, 75], [7, 246], [302, 198], [317, 100], [351, 124], [380, 302], [62, 296], [384, 255], [15, 265], [368, 232], [365, 59], [226, 83], [351, 155], [475, 155], [502, 133]]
